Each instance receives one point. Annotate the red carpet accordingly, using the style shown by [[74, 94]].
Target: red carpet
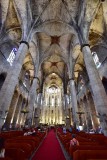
[[50, 149]]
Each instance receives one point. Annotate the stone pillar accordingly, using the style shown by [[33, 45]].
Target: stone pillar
[[87, 113], [99, 94], [80, 114], [70, 110], [17, 111], [93, 111], [70, 117], [74, 103], [104, 5], [22, 113], [11, 80], [12, 107], [85, 128], [36, 118], [63, 109], [67, 119], [41, 107], [37, 114], [49, 115], [32, 100]]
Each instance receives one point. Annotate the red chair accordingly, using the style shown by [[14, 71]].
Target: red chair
[[89, 154]]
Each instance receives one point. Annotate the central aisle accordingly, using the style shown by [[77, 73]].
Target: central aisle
[[50, 149]]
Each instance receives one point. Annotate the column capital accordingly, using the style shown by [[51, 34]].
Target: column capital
[[83, 45], [37, 79], [25, 43]]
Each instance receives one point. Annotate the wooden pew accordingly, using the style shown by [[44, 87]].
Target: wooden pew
[[89, 154]]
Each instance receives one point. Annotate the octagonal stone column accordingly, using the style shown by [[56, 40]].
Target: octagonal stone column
[[99, 94], [22, 115], [93, 111], [67, 118], [11, 80], [87, 114], [32, 100], [74, 103], [81, 114], [17, 111], [36, 117], [12, 108]]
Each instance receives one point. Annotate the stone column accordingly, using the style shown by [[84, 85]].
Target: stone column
[[41, 107], [87, 113], [99, 95], [67, 113], [49, 115], [32, 100], [21, 116], [74, 103], [85, 128], [80, 114], [63, 109], [93, 111], [17, 111], [49, 111], [12, 107], [70, 117], [104, 5], [35, 118], [33, 93], [37, 114], [11, 80]]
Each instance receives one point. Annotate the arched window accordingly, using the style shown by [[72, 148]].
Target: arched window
[[27, 75], [53, 100], [11, 57], [26, 78], [96, 59]]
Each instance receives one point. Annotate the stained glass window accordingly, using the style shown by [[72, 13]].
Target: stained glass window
[[11, 57], [96, 59]]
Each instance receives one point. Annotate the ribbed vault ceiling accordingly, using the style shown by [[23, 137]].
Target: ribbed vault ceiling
[[54, 41]]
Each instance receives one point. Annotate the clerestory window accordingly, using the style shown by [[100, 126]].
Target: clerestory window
[[11, 57], [96, 59]]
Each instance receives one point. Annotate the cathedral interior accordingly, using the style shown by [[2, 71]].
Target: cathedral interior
[[53, 64]]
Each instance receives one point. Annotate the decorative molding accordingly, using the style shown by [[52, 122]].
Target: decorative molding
[[83, 45], [25, 43], [70, 79]]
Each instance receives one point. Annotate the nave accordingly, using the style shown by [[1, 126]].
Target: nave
[[53, 144], [50, 148], [53, 72], [24, 145]]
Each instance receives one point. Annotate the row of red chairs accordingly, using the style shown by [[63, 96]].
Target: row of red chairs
[[87, 143], [11, 134], [21, 147]]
